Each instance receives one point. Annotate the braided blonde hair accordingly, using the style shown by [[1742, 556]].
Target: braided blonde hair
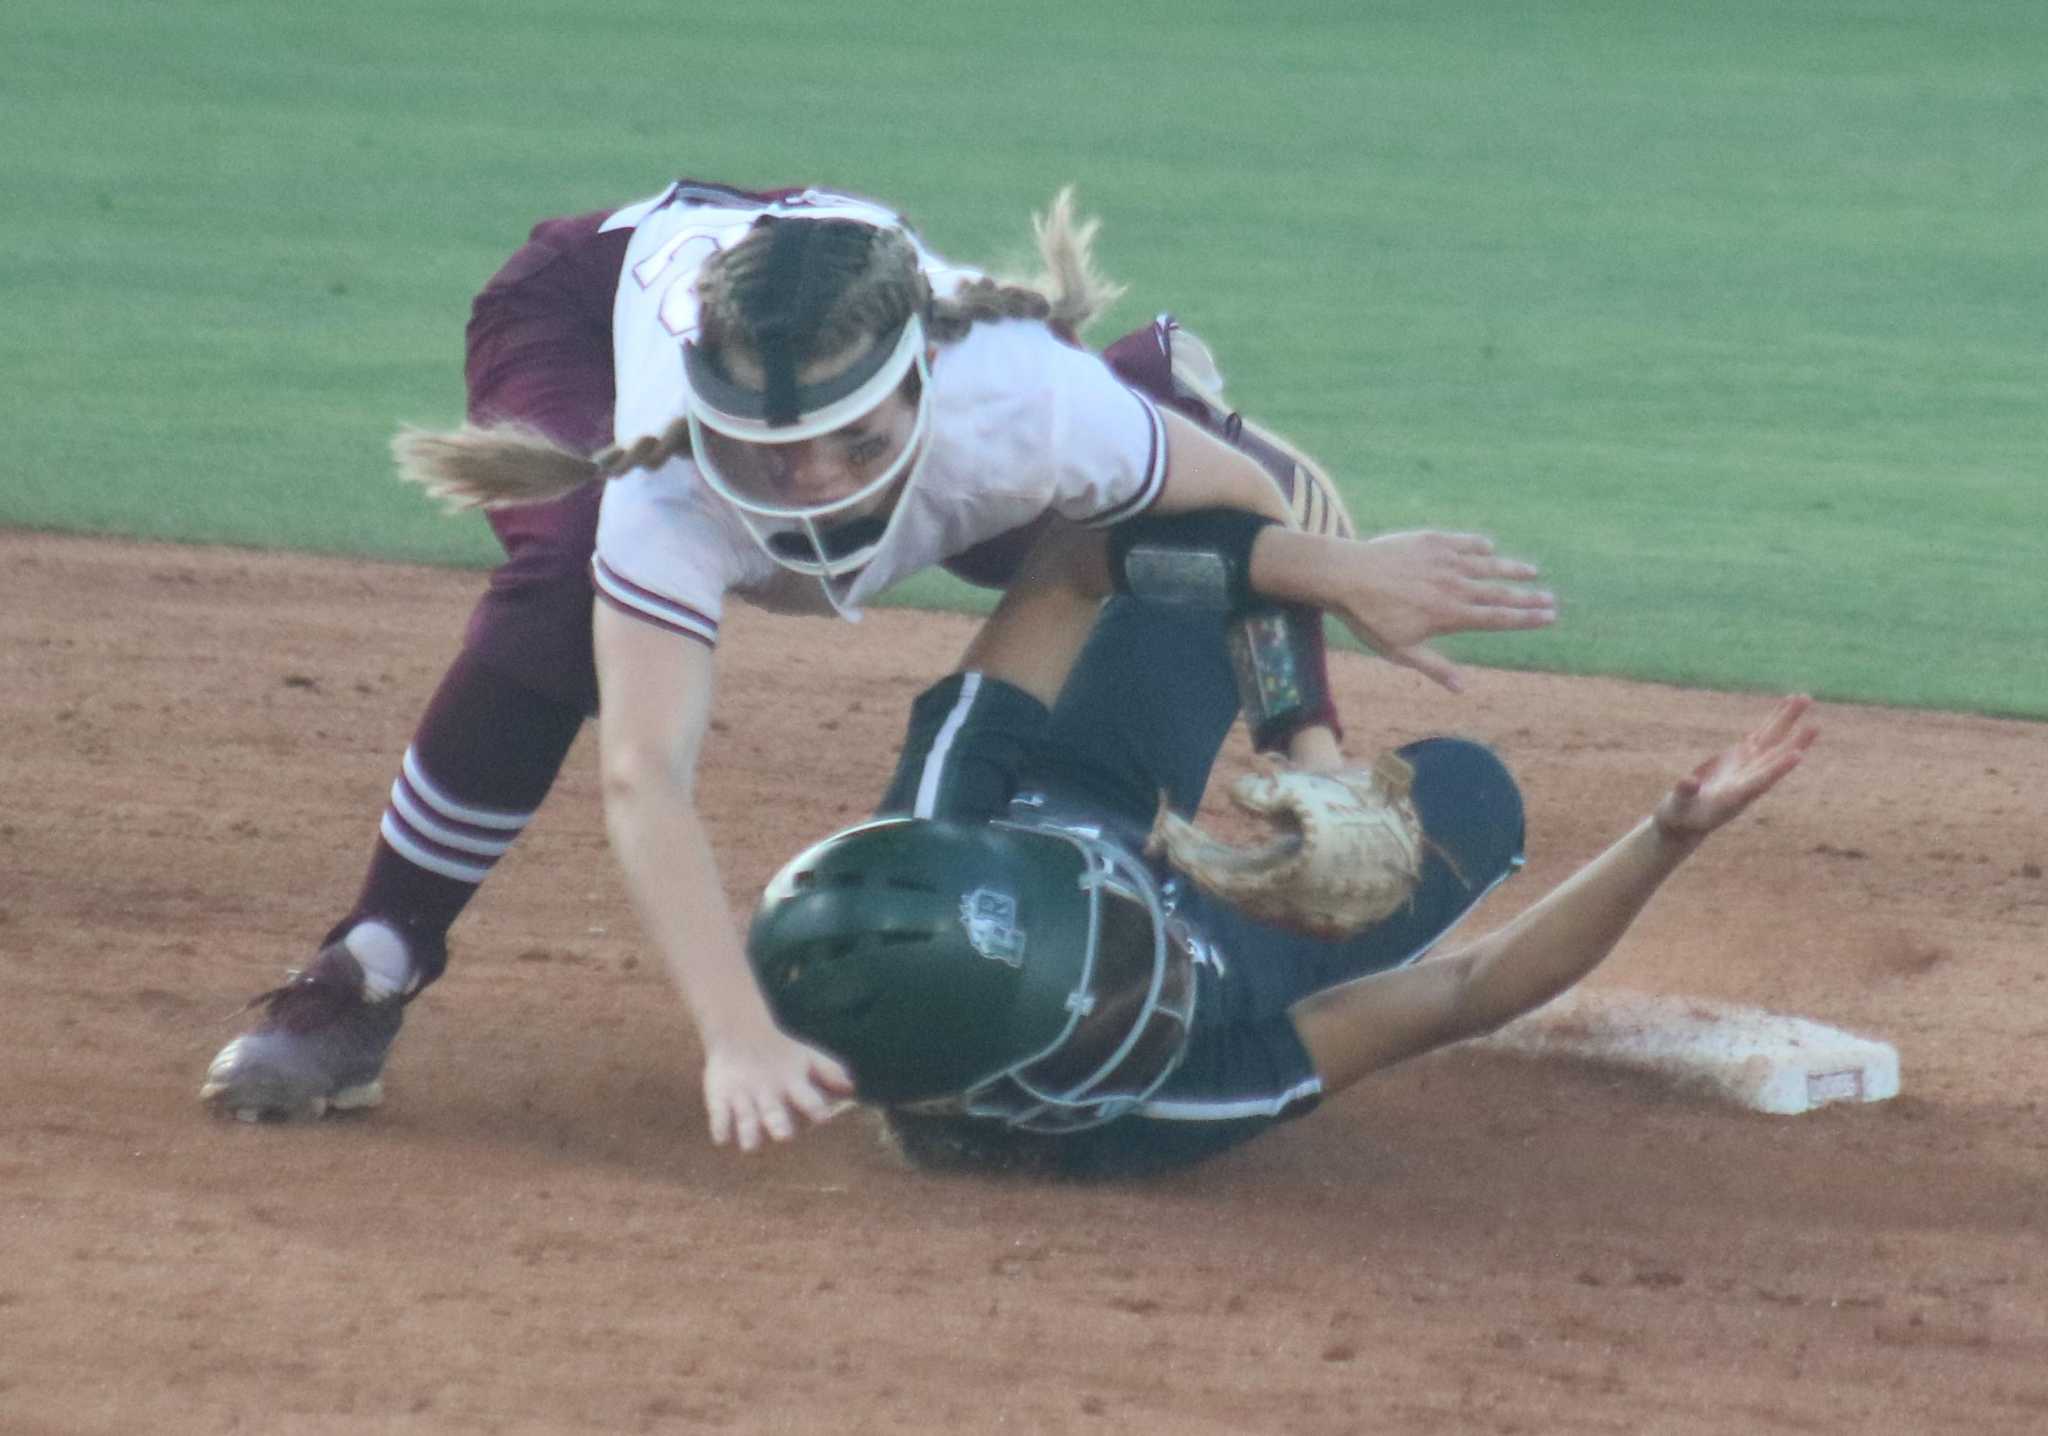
[[1068, 292], [862, 280]]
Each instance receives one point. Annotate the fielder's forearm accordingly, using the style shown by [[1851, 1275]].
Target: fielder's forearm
[[657, 707], [672, 876], [1297, 567]]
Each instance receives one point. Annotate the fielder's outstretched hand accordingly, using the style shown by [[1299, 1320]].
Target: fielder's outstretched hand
[[1403, 588], [764, 1083], [1727, 783]]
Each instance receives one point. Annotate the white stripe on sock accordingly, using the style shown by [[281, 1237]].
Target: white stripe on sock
[[459, 812], [402, 841], [413, 813]]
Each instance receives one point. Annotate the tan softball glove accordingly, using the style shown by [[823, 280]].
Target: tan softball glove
[[1346, 851]]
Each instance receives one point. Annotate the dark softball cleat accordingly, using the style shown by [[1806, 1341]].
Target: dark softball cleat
[[319, 1046]]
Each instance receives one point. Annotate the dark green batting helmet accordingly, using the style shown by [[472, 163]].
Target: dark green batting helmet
[[1017, 972]]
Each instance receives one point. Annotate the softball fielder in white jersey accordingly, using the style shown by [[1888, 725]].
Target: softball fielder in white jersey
[[847, 460]]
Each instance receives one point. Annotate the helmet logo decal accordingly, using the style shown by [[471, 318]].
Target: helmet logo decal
[[990, 917]]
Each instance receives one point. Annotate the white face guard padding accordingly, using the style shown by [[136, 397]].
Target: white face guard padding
[[734, 435]]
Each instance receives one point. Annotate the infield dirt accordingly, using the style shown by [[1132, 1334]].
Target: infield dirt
[[533, 1234]]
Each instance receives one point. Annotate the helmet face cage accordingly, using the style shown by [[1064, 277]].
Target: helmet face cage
[[717, 430], [1040, 1093]]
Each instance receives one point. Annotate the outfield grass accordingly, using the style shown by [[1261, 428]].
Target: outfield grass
[[1737, 320]]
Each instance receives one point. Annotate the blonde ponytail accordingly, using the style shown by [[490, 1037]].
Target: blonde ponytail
[[1069, 293], [1077, 290], [476, 467]]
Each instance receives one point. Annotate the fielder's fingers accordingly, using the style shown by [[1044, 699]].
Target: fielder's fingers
[[833, 1078], [1506, 618], [776, 1119], [814, 1104], [825, 1109], [1430, 664], [746, 1126], [1513, 570], [1496, 593], [1502, 594], [720, 1116]]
